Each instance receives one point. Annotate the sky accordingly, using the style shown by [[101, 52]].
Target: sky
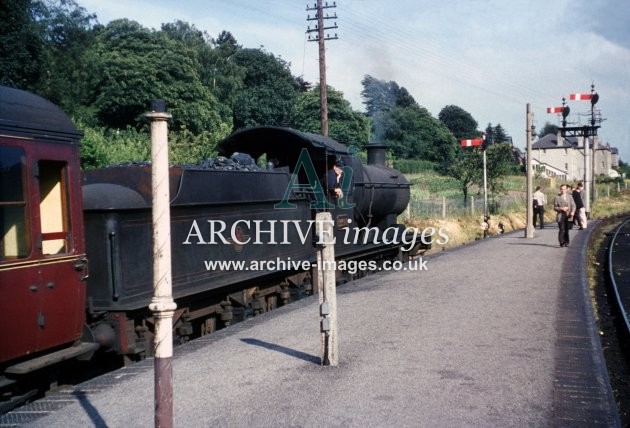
[[489, 57]]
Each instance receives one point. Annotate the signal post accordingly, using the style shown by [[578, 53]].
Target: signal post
[[481, 142]]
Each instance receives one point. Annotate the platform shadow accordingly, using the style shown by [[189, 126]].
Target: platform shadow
[[91, 411], [279, 348]]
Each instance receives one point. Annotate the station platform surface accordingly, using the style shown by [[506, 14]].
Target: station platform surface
[[495, 333]]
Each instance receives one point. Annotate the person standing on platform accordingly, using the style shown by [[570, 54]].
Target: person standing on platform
[[564, 206], [580, 212], [540, 200]]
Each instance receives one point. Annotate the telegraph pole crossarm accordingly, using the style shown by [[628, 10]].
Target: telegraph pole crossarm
[[320, 37]]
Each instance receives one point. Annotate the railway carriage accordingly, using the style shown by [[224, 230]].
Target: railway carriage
[[43, 264]]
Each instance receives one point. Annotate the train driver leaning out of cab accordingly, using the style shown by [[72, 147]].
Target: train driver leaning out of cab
[[334, 178]]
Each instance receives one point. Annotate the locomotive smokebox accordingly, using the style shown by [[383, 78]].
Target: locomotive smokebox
[[376, 154], [383, 193]]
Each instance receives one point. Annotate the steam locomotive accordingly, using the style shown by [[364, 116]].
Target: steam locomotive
[[75, 248]]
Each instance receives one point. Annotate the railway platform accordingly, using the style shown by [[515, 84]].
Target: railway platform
[[495, 333]]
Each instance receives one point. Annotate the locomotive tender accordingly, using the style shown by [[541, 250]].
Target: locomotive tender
[[56, 220]]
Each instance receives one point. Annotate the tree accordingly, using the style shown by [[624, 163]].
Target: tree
[[461, 123], [345, 125], [22, 46], [412, 133], [68, 31], [467, 168], [496, 135], [269, 92], [499, 163], [408, 129], [379, 95], [224, 76], [129, 66]]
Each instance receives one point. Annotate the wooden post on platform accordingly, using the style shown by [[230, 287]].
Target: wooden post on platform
[[162, 304], [529, 209], [326, 287]]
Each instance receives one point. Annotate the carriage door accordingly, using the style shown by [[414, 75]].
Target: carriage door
[[60, 289]]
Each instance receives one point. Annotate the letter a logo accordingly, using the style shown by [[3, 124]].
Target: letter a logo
[[304, 161]]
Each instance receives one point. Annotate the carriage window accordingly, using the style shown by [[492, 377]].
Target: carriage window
[[53, 207], [14, 232]]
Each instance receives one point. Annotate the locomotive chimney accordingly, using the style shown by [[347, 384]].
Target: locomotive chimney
[[376, 154]]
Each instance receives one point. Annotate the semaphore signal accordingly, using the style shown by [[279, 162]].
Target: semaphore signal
[[580, 97], [471, 143]]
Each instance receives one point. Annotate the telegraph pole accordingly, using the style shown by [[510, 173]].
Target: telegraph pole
[[529, 227], [320, 37]]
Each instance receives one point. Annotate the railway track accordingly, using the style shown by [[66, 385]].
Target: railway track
[[619, 273]]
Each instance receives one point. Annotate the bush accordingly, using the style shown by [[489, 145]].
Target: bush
[[412, 166]]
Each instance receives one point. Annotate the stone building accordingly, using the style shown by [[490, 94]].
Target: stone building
[[563, 158]]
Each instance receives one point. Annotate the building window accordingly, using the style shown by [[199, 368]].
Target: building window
[[14, 230], [53, 207], [566, 166]]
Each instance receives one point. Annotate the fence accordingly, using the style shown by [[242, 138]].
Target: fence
[[448, 207], [455, 207]]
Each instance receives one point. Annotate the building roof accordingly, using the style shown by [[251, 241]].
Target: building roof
[[550, 141]]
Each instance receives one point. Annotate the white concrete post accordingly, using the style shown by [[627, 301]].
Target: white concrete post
[[162, 304]]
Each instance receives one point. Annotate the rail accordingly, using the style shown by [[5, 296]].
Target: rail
[[622, 232]]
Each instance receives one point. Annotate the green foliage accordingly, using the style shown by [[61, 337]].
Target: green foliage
[[466, 169], [378, 95], [431, 184], [459, 122], [624, 168], [412, 133], [605, 179], [344, 124], [221, 74], [408, 129], [269, 93], [411, 166], [131, 65], [102, 146], [500, 163], [22, 47], [496, 134]]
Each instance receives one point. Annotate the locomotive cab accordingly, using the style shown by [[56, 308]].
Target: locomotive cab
[[374, 194], [42, 255]]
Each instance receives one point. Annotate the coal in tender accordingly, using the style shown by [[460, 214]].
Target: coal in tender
[[236, 162]]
